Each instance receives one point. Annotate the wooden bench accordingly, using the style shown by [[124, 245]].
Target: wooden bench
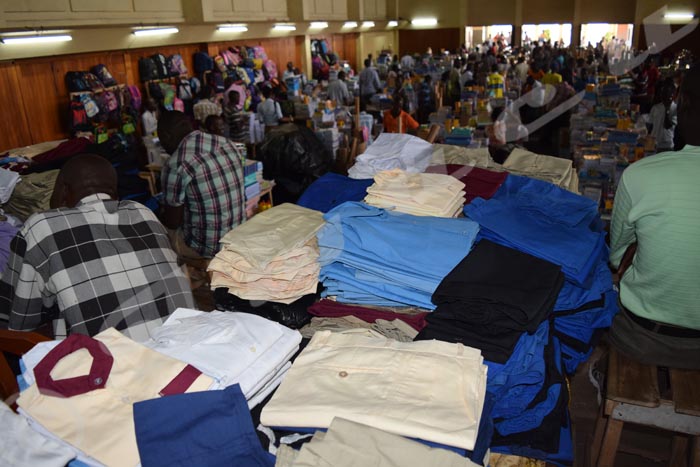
[[633, 396]]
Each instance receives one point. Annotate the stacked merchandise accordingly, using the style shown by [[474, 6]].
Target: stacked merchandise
[[478, 183], [331, 190], [232, 348], [356, 445], [272, 257], [330, 137], [372, 256], [459, 137], [423, 194], [252, 170], [393, 151], [552, 169], [437, 389]]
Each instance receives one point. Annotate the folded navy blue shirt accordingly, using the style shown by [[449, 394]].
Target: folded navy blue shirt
[[331, 190]]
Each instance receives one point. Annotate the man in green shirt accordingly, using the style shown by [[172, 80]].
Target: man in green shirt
[[657, 206]]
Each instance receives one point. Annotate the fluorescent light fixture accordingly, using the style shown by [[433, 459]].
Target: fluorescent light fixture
[[284, 27], [36, 39], [368, 24], [392, 24], [350, 24], [424, 21], [155, 31], [318, 25], [679, 16], [233, 28]]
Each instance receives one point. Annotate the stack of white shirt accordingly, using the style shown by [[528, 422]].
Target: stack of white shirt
[[232, 348], [423, 194], [392, 151], [271, 257]]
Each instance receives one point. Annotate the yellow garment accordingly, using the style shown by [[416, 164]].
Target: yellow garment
[[551, 78], [101, 423], [496, 85], [32, 194]]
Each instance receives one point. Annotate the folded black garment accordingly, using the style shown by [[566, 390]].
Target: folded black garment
[[499, 287], [294, 315], [495, 347]]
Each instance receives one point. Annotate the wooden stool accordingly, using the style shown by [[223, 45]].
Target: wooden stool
[[633, 396]]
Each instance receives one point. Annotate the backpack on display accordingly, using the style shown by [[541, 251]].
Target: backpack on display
[[259, 52], [93, 82], [220, 63], [232, 59], [104, 75], [89, 105], [202, 62], [271, 68], [168, 91], [161, 65], [155, 91], [147, 69], [177, 65], [111, 101], [184, 90], [216, 82], [79, 118], [196, 86], [178, 105], [135, 97], [75, 81]]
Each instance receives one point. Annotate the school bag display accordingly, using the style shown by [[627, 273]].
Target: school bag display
[[89, 105], [202, 62], [75, 81], [161, 65], [147, 69], [104, 75], [79, 118], [177, 65], [93, 82]]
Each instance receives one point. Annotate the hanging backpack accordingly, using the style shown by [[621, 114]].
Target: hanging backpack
[[155, 91], [104, 75], [177, 65], [178, 105], [134, 97], [161, 65], [147, 69], [196, 86], [79, 118], [232, 59], [89, 105], [93, 82], [271, 68], [220, 63], [75, 82], [202, 62], [216, 82], [184, 90], [168, 91], [259, 52]]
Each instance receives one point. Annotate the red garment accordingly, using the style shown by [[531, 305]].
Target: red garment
[[62, 151], [479, 183], [331, 309]]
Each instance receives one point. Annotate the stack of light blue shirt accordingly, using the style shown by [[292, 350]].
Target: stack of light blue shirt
[[372, 256]]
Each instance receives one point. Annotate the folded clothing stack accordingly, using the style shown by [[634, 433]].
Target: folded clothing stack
[[375, 257], [478, 182], [556, 170], [491, 297], [423, 194], [437, 389], [271, 257], [232, 348]]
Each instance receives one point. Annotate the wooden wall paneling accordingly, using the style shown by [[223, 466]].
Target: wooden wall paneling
[[45, 103], [418, 40], [13, 119]]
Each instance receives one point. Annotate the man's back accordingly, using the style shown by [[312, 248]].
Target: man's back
[[103, 263], [658, 205], [205, 174], [369, 81], [338, 91]]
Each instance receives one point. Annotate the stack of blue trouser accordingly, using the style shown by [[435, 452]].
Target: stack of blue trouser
[[371, 256]]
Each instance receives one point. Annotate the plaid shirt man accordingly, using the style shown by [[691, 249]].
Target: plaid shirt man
[[205, 174], [101, 264]]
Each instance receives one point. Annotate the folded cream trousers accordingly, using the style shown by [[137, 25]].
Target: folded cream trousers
[[429, 390]]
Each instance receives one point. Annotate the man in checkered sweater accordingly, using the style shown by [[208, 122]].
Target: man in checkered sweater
[[93, 262]]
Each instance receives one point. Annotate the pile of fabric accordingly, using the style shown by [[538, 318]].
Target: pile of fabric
[[392, 151], [423, 194], [558, 171], [430, 390], [372, 256], [271, 257], [331, 190], [231, 348], [478, 183]]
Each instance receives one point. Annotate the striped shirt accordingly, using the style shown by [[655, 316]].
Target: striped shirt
[[205, 175], [101, 264], [657, 204]]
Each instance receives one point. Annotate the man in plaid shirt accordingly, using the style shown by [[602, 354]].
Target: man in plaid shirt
[[203, 185], [94, 263]]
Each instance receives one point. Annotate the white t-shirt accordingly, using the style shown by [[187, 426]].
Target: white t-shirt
[[664, 136], [149, 122]]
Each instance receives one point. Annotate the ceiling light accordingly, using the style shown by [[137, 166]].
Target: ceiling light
[[155, 31], [392, 24], [233, 28], [350, 24], [679, 16], [318, 25], [36, 39], [424, 21], [284, 27], [368, 24]]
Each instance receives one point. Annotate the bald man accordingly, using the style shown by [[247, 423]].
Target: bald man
[[203, 186], [92, 262]]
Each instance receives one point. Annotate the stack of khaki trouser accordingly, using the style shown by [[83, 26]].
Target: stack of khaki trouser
[[556, 170]]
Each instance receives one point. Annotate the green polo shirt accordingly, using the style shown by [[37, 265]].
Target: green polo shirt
[[657, 204]]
